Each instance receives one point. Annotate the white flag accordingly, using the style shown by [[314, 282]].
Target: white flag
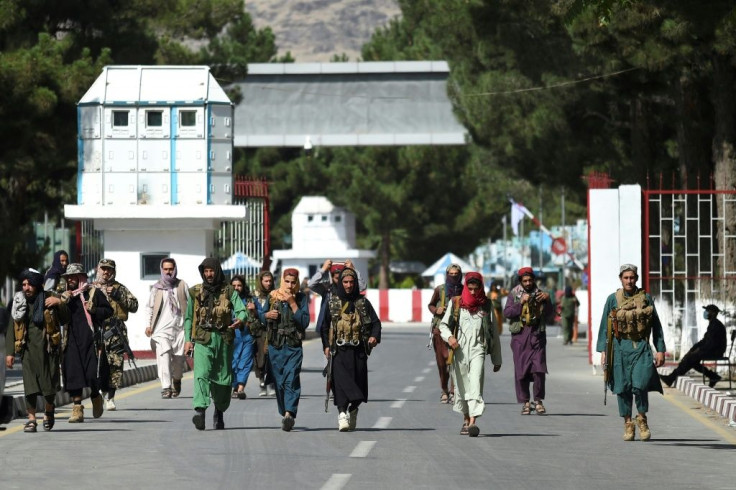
[[517, 214]]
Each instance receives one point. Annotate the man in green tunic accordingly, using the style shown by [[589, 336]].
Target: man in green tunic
[[630, 316], [209, 330], [35, 336]]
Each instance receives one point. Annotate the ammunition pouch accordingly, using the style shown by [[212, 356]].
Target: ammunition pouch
[[633, 315], [284, 331], [515, 327]]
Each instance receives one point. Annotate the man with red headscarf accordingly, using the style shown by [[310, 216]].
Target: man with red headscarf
[[469, 330], [528, 309], [441, 297], [286, 319]]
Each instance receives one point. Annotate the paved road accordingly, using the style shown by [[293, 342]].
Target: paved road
[[406, 438]]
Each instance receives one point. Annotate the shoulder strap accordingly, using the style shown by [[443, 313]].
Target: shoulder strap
[[443, 299], [456, 309]]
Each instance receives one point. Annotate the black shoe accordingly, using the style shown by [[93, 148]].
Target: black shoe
[[667, 379], [198, 419], [713, 380], [217, 420], [287, 423]]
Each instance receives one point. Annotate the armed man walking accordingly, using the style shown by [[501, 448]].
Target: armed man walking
[[243, 352], [264, 286], [114, 332], [351, 329], [441, 297], [469, 330], [286, 320], [209, 330], [35, 336], [629, 319], [528, 310], [165, 310]]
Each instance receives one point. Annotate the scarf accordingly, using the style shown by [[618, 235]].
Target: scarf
[[168, 283], [469, 300], [56, 269], [211, 290], [79, 293], [263, 292], [341, 293], [453, 285], [100, 279], [284, 290]]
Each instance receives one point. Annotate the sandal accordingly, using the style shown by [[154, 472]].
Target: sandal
[[444, 398], [526, 409], [234, 395], [240, 395], [48, 420], [464, 430], [30, 426], [166, 393], [540, 409]]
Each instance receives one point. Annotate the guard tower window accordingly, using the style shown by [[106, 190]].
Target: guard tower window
[[154, 119], [324, 218], [119, 118], [188, 118], [151, 264], [338, 218], [310, 218]]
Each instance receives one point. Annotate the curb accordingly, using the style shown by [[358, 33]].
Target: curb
[[133, 376], [723, 403]]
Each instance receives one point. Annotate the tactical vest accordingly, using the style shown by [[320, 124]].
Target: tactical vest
[[532, 314], [486, 323], [51, 328], [217, 320], [349, 328], [634, 314], [436, 319], [118, 311], [284, 330]]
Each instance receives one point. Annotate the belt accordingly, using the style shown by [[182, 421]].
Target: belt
[[633, 337]]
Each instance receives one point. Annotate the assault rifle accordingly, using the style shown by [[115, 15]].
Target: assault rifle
[[611, 330], [327, 373], [122, 344]]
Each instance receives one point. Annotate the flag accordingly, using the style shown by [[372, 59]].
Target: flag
[[517, 214]]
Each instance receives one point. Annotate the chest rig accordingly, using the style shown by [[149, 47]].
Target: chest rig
[[634, 315], [349, 328], [216, 319], [284, 330]]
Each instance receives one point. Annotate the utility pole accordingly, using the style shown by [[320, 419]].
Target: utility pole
[[564, 237], [541, 236]]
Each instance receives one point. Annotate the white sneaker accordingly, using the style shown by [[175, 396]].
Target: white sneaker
[[343, 422], [263, 391], [271, 390], [353, 419], [110, 405]]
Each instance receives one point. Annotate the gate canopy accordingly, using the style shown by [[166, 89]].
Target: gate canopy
[[346, 104]]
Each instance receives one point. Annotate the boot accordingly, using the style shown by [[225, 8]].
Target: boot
[[352, 418], [644, 433], [714, 379], [218, 420], [629, 431], [77, 416], [198, 419], [97, 406]]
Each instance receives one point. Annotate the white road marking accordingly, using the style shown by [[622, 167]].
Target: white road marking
[[419, 379], [362, 449], [426, 370], [337, 481], [398, 403], [382, 423], [409, 389]]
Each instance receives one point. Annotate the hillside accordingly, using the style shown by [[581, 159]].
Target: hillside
[[315, 30]]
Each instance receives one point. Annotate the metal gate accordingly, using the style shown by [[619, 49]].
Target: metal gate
[[686, 265], [245, 245], [89, 245]]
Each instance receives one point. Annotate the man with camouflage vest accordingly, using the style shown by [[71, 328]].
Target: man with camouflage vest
[[286, 319], [35, 336], [629, 319], [209, 330], [114, 333]]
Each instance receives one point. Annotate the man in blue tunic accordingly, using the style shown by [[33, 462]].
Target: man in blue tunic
[[630, 315]]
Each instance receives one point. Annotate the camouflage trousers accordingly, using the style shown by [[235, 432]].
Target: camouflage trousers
[[111, 372]]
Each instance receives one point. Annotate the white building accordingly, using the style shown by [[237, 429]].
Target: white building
[[320, 231], [155, 172]]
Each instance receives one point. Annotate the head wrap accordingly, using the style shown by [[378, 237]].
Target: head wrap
[[337, 267], [453, 284], [285, 290], [211, 289], [472, 301], [341, 293], [628, 267], [35, 279], [56, 269], [568, 291], [246, 289], [525, 271], [77, 270], [259, 283], [168, 283]]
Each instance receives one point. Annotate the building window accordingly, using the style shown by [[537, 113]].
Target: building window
[[151, 264], [187, 118], [324, 218], [119, 119], [154, 119], [310, 218], [338, 218]]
